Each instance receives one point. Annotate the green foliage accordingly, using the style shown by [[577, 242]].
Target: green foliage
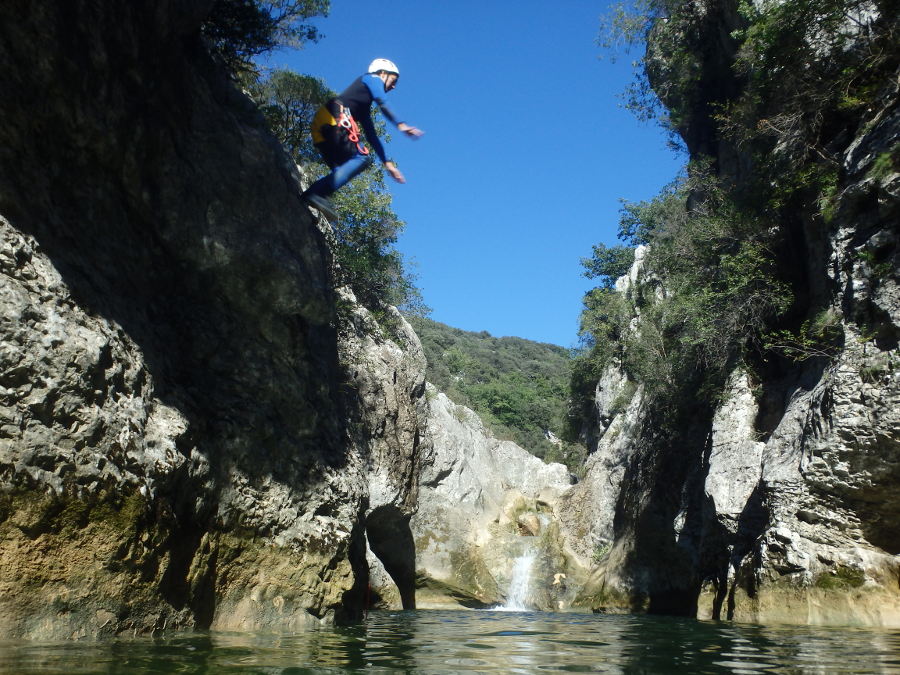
[[604, 319], [886, 163], [365, 238], [289, 101], [638, 221], [721, 290], [812, 69], [620, 403], [587, 368], [239, 30], [828, 194], [841, 578], [882, 368], [608, 263], [517, 387], [805, 73], [820, 337], [880, 266], [717, 293], [624, 26], [600, 552], [666, 86], [368, 229]]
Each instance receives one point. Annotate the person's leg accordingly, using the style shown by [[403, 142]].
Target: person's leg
[[339, 176]]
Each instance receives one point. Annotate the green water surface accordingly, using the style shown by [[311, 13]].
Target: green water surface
[[480, 641]]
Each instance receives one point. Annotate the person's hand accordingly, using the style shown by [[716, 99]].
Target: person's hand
[[412, 132], [392, 169]]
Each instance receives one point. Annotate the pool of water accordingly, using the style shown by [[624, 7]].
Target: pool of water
[[480, 641]]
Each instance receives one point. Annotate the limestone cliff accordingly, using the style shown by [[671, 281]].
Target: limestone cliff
[[482, 504], [779, 503], [190, 415]]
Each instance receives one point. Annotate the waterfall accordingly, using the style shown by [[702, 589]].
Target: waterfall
[[519, 583]]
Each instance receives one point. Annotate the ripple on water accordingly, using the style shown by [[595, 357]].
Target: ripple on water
[[479, 641]]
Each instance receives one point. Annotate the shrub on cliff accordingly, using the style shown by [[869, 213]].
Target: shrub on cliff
[[608, 263], [709, 291], [812, 71], [801, 74]]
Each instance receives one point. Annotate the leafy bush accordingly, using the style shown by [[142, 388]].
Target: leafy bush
[[365, 237], [709, 295], [842, 577], [608, 263], [289, 101], [820, 337], [670, 83], [812, 70], [886, 163]]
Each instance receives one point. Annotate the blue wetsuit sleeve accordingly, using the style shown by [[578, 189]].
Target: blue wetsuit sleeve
[[376, 88], [372, 136]]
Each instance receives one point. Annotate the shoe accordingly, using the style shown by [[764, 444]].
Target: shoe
[[322, 205]]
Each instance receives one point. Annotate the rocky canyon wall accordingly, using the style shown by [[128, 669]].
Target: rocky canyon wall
[[778, 502], [190, 418]]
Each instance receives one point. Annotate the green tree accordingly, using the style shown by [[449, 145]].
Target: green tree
[[640, 221], [289, 100], [711, 298], [366, 235], [812, 71], [239, 30], [608, 263], [517, 387], [625, 26]]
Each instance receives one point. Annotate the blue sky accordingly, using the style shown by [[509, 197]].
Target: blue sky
[[526, 154]]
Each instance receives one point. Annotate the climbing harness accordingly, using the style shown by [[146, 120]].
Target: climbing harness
[[336, 133], [347, 122]]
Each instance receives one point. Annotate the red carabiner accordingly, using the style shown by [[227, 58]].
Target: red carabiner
[[346, 120]]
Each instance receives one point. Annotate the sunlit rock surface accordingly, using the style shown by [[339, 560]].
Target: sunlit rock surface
[[385, 372], [482, 503]]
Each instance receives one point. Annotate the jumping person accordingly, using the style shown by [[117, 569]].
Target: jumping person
[[335, 133]]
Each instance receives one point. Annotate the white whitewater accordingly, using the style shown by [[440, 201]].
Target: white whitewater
[[519, 584]]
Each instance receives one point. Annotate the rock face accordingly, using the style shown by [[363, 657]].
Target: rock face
[[482, 504], [783, 507], [188, 425], [794, 522], [196, 428], [387, 381], [780, 503]]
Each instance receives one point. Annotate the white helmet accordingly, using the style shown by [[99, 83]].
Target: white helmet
[[383, 64]]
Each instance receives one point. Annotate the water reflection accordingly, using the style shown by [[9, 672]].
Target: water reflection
[[472, 641]]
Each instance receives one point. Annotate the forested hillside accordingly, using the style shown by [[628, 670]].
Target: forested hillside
[[518, 387]]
